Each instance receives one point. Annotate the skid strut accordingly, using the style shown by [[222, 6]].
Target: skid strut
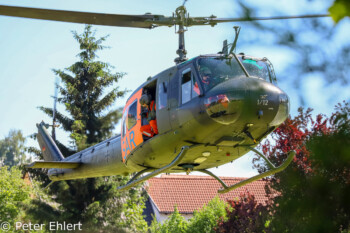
[[273, 170], [134, 181]]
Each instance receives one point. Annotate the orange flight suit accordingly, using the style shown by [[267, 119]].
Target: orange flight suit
[[151, 128]]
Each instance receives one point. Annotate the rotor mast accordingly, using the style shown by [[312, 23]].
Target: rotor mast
[[181, 15]]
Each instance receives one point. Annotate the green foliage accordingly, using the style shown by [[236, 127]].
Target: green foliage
[[109, 210], [13, 194], [204, 220], [339, 10], [12, 149], [133, 216], [96, 203], [175, 223], [41, 209], [315, 188]]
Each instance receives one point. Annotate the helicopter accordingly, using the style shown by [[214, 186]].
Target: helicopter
[[198, 128]]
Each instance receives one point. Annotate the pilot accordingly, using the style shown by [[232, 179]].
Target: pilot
[[206, 78], [206, 75], [148, 112]]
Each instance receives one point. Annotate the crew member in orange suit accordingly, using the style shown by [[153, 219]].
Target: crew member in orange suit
[[148, 112]]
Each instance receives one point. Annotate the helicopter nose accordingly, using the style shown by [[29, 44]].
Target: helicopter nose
[[266, 103], [283, 110], [251, 100]]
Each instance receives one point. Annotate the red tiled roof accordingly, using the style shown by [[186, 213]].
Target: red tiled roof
[[190, 193]]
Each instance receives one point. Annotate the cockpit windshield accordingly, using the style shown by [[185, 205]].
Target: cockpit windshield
[[215, 70]]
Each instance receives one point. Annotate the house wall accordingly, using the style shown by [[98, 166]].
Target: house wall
[[156, 212], [161, 217]]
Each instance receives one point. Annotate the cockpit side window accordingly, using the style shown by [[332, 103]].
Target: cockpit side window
[[261, 68], [189, 86], [186, 87], [256, 68], [162, 94], [271, 70]]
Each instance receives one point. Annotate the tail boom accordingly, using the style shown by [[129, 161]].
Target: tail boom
[[102, 159], [61, 164]]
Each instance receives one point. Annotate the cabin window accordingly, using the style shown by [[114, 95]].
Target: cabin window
[[132, 115], [162, 94], [124, 123], [186, 87], [189, 86]]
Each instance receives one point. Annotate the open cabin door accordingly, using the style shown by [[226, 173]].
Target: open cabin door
[[131, 135]]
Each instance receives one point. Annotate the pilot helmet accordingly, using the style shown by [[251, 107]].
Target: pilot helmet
[[205, 71], [145, 99]]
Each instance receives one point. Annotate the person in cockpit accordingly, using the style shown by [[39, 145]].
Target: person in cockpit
[[206, 77]]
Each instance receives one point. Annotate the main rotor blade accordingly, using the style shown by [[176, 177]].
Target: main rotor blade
[[139, 21], [213, 20]]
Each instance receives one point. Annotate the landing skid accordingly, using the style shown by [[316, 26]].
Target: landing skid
[[134, 181], [273, 170]]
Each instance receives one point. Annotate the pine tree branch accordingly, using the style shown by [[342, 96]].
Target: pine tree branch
[[66, 78], [106, 101]]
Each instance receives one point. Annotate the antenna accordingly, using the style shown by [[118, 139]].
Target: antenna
[[237, 31], [54, 109], [225, 48]]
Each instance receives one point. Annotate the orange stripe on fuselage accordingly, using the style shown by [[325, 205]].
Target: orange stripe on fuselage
[[133, 136]]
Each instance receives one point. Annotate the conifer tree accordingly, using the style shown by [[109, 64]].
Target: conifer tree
[[95, 202], [82, 93]]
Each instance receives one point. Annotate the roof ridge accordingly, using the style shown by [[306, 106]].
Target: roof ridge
[[198, 177]]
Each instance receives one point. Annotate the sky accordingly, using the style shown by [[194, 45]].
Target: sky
[[30, 49]]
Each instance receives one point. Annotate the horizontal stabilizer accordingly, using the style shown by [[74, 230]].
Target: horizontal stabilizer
[[43, 164]]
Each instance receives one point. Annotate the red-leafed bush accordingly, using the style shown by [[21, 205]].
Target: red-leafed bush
[[245, 215], [315, 189]]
